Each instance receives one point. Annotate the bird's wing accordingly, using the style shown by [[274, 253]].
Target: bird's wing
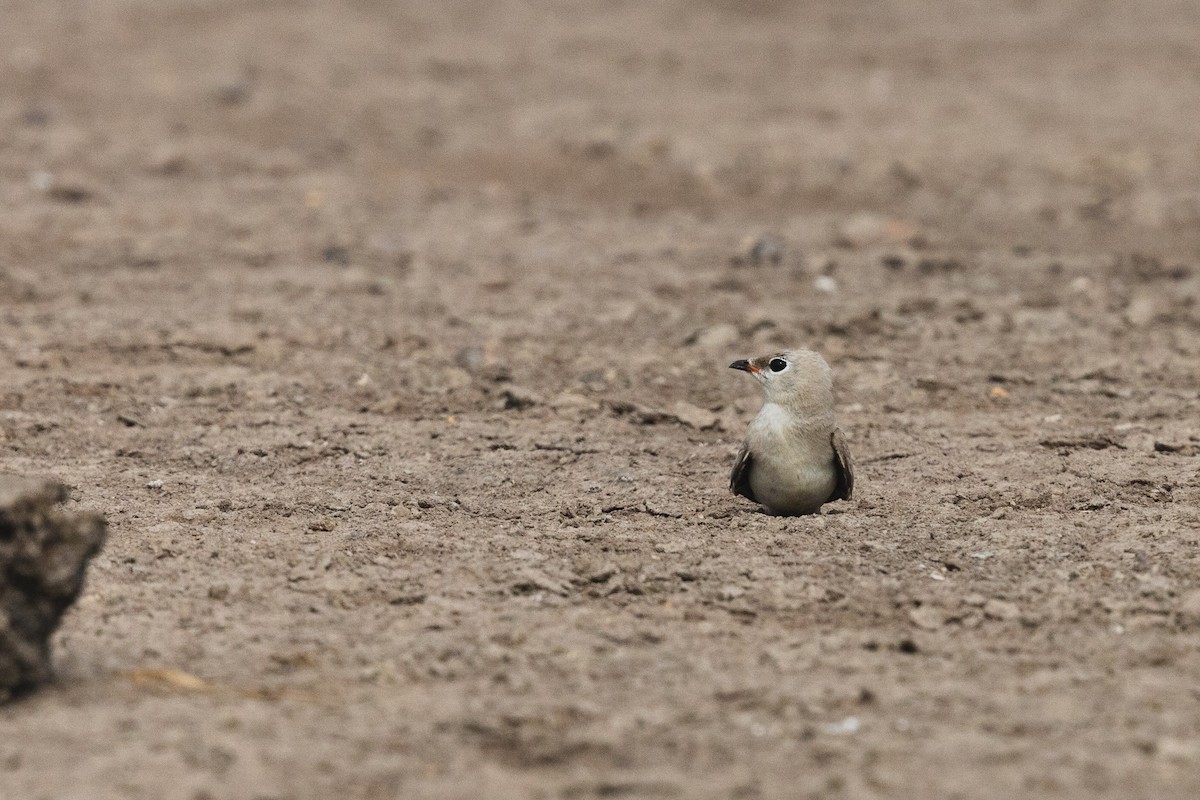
[[739, 479], [845, 468]]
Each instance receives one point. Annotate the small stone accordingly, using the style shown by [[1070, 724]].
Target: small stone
[[866, 229], [1140, 443], [970, 620], [154, 484], [759, 250], [730, 592], [532, 578], [715, 337], [471, 358], [519, 398], [1141, 311], [41, 180], [843, 727], [569, 401], [825, 284], [640, 414], [694, 416], [1001, 609], [597, 572], [927, 618], [322, 524], [861, 230]]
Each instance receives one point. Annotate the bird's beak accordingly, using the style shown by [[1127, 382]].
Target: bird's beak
[[745, 366]]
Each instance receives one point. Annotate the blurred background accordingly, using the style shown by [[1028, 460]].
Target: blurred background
[[420, 314]]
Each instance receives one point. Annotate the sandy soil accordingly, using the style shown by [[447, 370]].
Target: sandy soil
[[421, 315]]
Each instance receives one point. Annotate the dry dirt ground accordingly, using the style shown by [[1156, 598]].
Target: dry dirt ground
[[421, 315]]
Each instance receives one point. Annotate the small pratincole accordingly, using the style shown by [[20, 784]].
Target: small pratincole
[[794, 459]]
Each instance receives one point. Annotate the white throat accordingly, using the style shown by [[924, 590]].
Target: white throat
[[774, 418]]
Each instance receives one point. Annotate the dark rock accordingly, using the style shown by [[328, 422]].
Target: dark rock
[[517, 397], [758, 250], [43, 556]]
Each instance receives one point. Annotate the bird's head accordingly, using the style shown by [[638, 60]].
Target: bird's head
[[790, 374]]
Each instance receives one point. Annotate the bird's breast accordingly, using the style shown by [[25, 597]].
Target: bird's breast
[[793, 471]]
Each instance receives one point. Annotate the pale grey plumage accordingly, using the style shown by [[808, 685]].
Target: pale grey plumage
[[794, 458]]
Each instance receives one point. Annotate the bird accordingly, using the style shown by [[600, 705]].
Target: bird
[[794, 459]]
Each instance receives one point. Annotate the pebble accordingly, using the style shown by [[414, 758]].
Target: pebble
[[866, 229], [569, 401], [844, 727], [1001, 609], [597, 572], [41, 180], [715, 337], [759, 250], [1140, 443], [694, 416], [518, 397], [1141, 311], [825, 284], [927, 617], [861, 230], [531, 577]]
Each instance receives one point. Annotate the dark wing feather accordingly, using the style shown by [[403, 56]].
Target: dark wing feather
[[845, 468], [739, 479]]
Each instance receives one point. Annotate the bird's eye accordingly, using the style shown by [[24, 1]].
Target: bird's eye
[[777, 365]]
